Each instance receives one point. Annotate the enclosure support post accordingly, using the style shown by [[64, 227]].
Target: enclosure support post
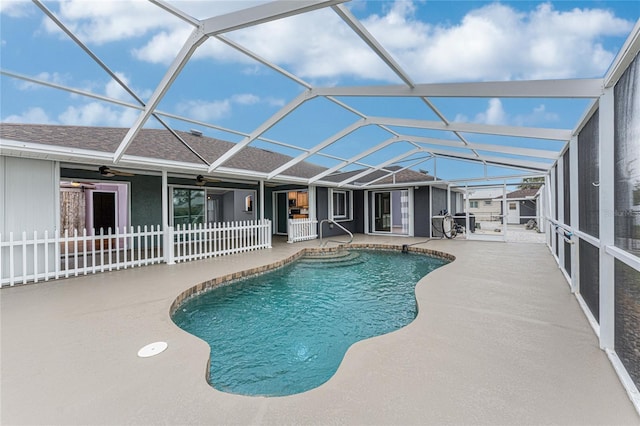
[[607, 219]]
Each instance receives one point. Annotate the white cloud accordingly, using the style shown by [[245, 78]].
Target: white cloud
[[491, 42], [495, 114], [497, 42], [34, 115], [108, 21], [210, 111], [15, 8], [537, 116], [97, 114], [44, 76], [114, 90], [163, 47], [205, 111], [245, 99]]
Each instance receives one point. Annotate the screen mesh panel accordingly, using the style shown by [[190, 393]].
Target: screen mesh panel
[[627, 160], [590, 277], [588, 177], [566, 186], [627, 327]]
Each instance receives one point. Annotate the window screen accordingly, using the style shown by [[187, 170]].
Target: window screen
[[566, 186], [588, 177], [590, 277], [627, 307], [627, 160]]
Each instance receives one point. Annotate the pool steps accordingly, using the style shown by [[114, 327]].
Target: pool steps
[[340, 258]]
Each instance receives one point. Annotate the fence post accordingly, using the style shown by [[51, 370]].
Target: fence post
[[168, 246], [290, 236], [267, 230]]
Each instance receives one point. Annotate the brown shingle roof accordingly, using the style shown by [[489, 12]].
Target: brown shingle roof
[[404, 176], [523, 193], [161, 144], [154, 143]]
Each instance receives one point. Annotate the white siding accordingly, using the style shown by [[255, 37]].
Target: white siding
[[29, 194]]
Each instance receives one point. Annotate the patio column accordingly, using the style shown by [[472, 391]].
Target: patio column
[[575, 218], [607, 219], [261, 199], [167, 242]]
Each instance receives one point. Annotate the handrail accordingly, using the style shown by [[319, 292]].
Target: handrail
[[339, 226]]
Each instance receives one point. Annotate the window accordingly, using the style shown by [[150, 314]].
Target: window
[[487, 202], [473, 204], [512, 206], [341, 207], [188, 206]]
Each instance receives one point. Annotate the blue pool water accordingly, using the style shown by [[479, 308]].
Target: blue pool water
[[286, 331]]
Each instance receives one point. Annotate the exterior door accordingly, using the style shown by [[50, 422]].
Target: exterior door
[[382, 211], [104, 211], [513, 212], [281, 212]]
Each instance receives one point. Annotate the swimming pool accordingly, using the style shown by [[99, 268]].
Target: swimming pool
[[286, 331]]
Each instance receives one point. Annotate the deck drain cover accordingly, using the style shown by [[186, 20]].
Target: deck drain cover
[[152, 349]]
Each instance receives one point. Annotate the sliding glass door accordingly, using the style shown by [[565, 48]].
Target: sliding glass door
[[390, 212]]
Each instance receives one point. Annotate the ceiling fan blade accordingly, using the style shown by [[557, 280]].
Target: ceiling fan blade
[[202, 180], [109, 172]]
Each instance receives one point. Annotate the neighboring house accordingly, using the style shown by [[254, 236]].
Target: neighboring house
[[56, 177], [486, 204], [522, 205]]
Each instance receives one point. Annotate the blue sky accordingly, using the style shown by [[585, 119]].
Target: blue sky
[[434, 41]]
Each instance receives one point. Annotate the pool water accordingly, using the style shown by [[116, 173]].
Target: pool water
[[286, 331]]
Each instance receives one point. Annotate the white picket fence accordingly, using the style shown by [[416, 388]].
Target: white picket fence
[[302, 230], [217, 239], [33, 257]]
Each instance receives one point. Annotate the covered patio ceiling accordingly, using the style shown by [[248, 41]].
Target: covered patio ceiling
[[429, 138]]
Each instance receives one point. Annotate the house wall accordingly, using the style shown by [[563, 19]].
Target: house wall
[[29, 198], [358, 211], [322, 200], [28, 194], [486, 211], [421, 208], [240, 212]]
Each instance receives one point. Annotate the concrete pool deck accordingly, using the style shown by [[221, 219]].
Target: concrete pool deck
[[499, 339]]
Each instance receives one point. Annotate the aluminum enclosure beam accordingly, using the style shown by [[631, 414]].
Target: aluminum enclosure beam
[[272, 121], [261, 14], [524, 132], [379, 166], [574, 88], [504, 149], [195, 39], [497, 161], [212, 26], [353, 159], [329, 141]]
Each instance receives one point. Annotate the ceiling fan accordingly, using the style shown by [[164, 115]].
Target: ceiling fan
[[108, 172], [202, 180]]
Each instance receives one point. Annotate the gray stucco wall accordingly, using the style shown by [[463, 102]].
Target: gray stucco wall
[[421, 209], [322, 199], [240, 212]]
